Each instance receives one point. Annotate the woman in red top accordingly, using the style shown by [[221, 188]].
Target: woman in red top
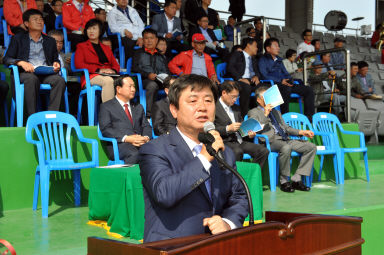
[[98, 59], [13, 14]]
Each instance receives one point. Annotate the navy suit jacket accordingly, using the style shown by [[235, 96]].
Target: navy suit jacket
[[114, 121], [175, 196], [19, 50]]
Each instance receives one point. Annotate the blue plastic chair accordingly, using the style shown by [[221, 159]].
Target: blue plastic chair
[[329, 123], [18, 102], [90, 91], [221, 69], [120, 48], [60, 26], [7, 37], [300, 121], [54, 139], [117, 160], [293, 95], [1, 19]]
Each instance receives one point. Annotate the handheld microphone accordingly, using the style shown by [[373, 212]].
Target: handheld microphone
[[208, 126]]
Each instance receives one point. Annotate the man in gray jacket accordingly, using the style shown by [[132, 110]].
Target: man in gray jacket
[[278, 134]]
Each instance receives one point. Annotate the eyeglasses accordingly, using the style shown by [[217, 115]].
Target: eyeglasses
[[234, 97]]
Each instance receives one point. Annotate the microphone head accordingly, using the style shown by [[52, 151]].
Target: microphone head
[[206, 138], [208, 126]]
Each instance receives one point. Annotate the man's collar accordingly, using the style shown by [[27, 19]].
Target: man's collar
[[121, 9], [246, 54], [308, 43], [40, 38], [203, 28], [168, 18], [223, 104], [194, 53], [191, 144], [151, 52], [122, 103]]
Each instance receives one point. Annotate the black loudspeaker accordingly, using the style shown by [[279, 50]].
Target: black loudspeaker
[[335, 20]]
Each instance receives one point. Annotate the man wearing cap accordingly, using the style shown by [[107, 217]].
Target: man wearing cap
[[338, 58], [194, 61]]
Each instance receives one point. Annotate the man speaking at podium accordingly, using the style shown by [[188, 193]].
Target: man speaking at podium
[[185, 191]]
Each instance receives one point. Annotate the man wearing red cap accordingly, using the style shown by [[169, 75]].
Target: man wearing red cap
[[194, 61]]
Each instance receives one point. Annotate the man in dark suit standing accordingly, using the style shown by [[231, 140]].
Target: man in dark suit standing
[[119, 118], [32, 49], [185, 191], [162, 120], [242, 67], [228, 121], [167, 25], [278, 134]]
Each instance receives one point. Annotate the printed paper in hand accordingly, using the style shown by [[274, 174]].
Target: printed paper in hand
[[250, 125], [273, 97]]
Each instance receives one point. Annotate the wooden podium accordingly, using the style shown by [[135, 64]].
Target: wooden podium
[[282, 233]]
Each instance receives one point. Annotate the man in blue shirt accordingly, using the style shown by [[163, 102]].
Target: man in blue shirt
[[272, 68]]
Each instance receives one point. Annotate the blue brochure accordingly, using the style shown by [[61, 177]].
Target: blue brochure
[[250, 125], [44, 70], [273, 97]]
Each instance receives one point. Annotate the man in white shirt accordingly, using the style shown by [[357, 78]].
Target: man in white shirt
[[306, 46], [125, 20]]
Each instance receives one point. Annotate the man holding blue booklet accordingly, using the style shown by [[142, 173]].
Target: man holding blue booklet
[[228, 121], [278, 135]]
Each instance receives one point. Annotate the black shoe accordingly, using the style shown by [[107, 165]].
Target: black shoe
[[286, 187], [300, 186]]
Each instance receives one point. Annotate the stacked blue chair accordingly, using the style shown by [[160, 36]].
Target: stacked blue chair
[[117, 160], [59, 25], [53, 131], [90, 91], [18, 101], [329, 123], [300, 121]]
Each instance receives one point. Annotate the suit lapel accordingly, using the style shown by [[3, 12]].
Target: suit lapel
[[182, 150], [122, 113], [165, 23], [216, 173], [221, 110]]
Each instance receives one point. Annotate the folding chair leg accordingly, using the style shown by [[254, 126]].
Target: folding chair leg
[[36, 189], [366, 165], [76, 186]]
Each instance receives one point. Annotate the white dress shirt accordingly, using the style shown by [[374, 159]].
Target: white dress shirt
[[206, 164], [122, 103], [169, 23], [231, 116], [118, 22], [248, 72]]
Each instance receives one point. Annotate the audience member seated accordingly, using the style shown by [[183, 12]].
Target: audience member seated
[[259, 35], [48, 7], [228, 29], [194, 61], [168, 26], [65, 61], [228, 120], [107, 42], [356, 89], [251, 32], [290, 65], [162, 46], [242, 67], [338, 58], [271, 68], [212, 45], [101, 15], [76, 13], [316, 43], [40, 7], [50, 19], [306, 45], [162, 120], [323, 83], [13, 13], [211, 13], [218, 26], [278, 134], [32, 49], [326, 62], [98, 59], [125, 121], [150, 63], [366, 81], [125, 20]]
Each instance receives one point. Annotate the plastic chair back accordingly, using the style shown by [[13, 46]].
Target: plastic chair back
[[221, 69], [1, 19], [7, 37], [60, 26]]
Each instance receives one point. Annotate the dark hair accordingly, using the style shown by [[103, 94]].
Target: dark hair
[[92, 23], [323, 54], [362, 64], [106, 39], [119, 82], [305, 31], [169, 2], [202, 16], [313, 42], [192, 81], [28, 13], [256, 20], [160, 38], [249, 29], [289, 53], [98, 10], [235, 47], [246, 41], [167, 81], [55, 32], [149, 31], [228, 86], [353, 64], [231, 17], [261, 88], [269, 41], [53, 3]]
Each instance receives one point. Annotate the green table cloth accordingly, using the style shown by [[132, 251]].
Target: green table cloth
[[116, 196]]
